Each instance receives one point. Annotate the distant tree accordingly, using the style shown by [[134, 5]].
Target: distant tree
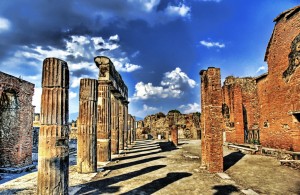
[[197, 113], [174, 111]]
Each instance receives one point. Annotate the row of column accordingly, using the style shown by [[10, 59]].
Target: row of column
[[102, 126]]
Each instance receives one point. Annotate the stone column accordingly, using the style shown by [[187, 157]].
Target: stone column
[[121, 125], [129, 130], [53, 159], [104, 121], [115, 125], [87, 127], [211, 120], [132, 129], [126, 123], [174, 134]]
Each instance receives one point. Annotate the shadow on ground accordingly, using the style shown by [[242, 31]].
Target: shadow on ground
[[225, 189], [231, 159], [158, 184], [103, 185]]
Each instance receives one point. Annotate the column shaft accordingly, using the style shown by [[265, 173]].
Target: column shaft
[[53, 156], [87, 127]]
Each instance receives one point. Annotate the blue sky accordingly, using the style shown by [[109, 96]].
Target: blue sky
[[158, 46]]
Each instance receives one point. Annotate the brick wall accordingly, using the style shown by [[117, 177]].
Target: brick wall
[[16, 113]]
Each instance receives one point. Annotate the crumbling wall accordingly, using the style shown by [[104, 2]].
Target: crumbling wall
[[16, 113], [279, 91], [240, 108]]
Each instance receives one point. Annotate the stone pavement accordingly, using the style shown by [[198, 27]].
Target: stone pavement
[[153, 167]]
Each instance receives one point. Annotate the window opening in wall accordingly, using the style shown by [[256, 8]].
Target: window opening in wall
[[296, 116]]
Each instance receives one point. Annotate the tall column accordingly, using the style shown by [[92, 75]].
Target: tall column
[[132, 130], [115, 125], [87, 127], [211, 120], [104, 122], [126, 122], [129, 130], [53, 159], [121, 125]]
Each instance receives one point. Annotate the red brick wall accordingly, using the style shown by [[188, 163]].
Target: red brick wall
[[279, 95], [15, 121], [211, 117]]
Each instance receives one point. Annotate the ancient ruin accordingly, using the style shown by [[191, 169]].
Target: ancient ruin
[[211, 117], [158, 125], [87, 123], [53, 156], [16, 113], [110, 84], [265, 110]]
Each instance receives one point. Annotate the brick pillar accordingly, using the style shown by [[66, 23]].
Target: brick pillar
[[87, 127], [211, 118], [121, 125], [174, 134], [115, 125], [104, 122], [53, 159]]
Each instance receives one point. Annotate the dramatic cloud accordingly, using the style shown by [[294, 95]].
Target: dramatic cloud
[[190, 108], [173, 85], [212, 44]]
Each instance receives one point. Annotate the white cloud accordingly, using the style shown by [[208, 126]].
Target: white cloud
[[180, 10], [36, 99], [146, 110], [4, 24], [190, 108], [173, 85], [72, 95], [210, 0], [149, 108], [212, 44], [262, 68], [114, 38]]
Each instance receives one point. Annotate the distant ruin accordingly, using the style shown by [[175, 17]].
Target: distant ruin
[[158, 125]]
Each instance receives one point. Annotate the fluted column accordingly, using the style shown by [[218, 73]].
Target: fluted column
[[104, 122], [125, 123], [129, 130], [121, 125], [87, 127], [115, 125], [53, 156]]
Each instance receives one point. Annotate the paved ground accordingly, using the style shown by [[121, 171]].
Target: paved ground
[[151, 167]]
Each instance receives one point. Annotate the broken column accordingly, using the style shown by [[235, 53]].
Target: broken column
[[211, 118], [174, 134], [87, 127], [53, 156]]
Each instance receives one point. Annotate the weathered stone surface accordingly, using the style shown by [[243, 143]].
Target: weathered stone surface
[[53, 160], [174, 134], [87, 132], [211, 117], [16, 113], [115, 125], [104, 122], [110, 84]]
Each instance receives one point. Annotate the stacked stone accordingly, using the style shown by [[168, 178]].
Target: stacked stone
[[121, 125], [53, 159], [87, 127], [211, 118], [129, 130]]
